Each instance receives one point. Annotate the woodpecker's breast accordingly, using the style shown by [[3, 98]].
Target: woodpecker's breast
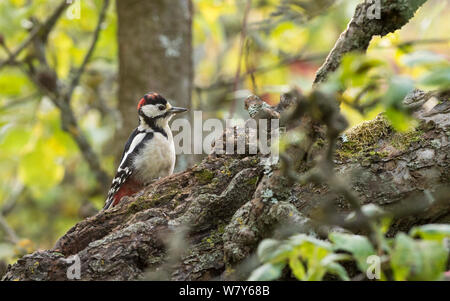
[[156, 159]]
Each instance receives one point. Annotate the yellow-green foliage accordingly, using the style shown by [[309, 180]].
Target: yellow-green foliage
[[420, 255]]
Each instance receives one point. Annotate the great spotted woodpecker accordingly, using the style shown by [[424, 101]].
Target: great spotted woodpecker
[[149, 152]]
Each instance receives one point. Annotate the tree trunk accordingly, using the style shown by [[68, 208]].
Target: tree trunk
[[155, 54], [222, 211]]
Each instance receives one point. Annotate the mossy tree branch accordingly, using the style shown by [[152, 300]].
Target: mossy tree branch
[[228, 203]]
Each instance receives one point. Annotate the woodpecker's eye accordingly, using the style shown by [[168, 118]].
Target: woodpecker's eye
[[161, 107]]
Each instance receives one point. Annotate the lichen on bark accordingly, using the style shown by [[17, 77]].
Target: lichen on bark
[[363, 26], [229, 203]]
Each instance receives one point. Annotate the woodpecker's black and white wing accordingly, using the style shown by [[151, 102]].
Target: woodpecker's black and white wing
[[135, 143]]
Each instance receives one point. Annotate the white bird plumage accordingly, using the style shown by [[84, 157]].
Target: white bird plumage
[[149, 152]]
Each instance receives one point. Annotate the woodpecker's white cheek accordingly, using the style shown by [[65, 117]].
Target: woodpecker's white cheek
[[150, 110]]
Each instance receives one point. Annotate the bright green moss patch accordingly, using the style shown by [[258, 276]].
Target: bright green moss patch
[[376, 138], [253, 181], [366, 135], [402, 141], [204, 176]]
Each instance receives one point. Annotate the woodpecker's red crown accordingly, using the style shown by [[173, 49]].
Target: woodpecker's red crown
[[151, 98]]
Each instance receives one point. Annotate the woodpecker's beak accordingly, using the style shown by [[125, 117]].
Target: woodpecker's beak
[[176, 110]]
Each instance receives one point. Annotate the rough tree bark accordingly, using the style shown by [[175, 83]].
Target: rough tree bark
[[223, 203], [364, 25], [223, 208], [155, 54]]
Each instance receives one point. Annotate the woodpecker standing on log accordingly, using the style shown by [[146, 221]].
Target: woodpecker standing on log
[[149, 152]]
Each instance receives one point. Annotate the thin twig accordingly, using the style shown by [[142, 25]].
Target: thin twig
[[43, 29], [361, 29], [19, 101], [62, 101], [11, 201], [241, 51], [80, 70], [12, 236], [423, 41], [250, 69], [263, 69]]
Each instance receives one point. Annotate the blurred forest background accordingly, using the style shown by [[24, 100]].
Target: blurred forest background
[[66, 109]]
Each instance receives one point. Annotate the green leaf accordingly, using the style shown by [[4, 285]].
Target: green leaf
[[15, 140], [13, 82], [285, 32], [438, 78], [385, 224], [370, 210], [337, 269], [358, 245], [299, 239], [314, 252], [422, 57], [355, 68], [333, 257], [330, 263], [399, 87], [418, 260], [399, 120], [272, 250], [265, 248], [432, 231], [403, 257], [297, 267], [40, 169], [267, 272]]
